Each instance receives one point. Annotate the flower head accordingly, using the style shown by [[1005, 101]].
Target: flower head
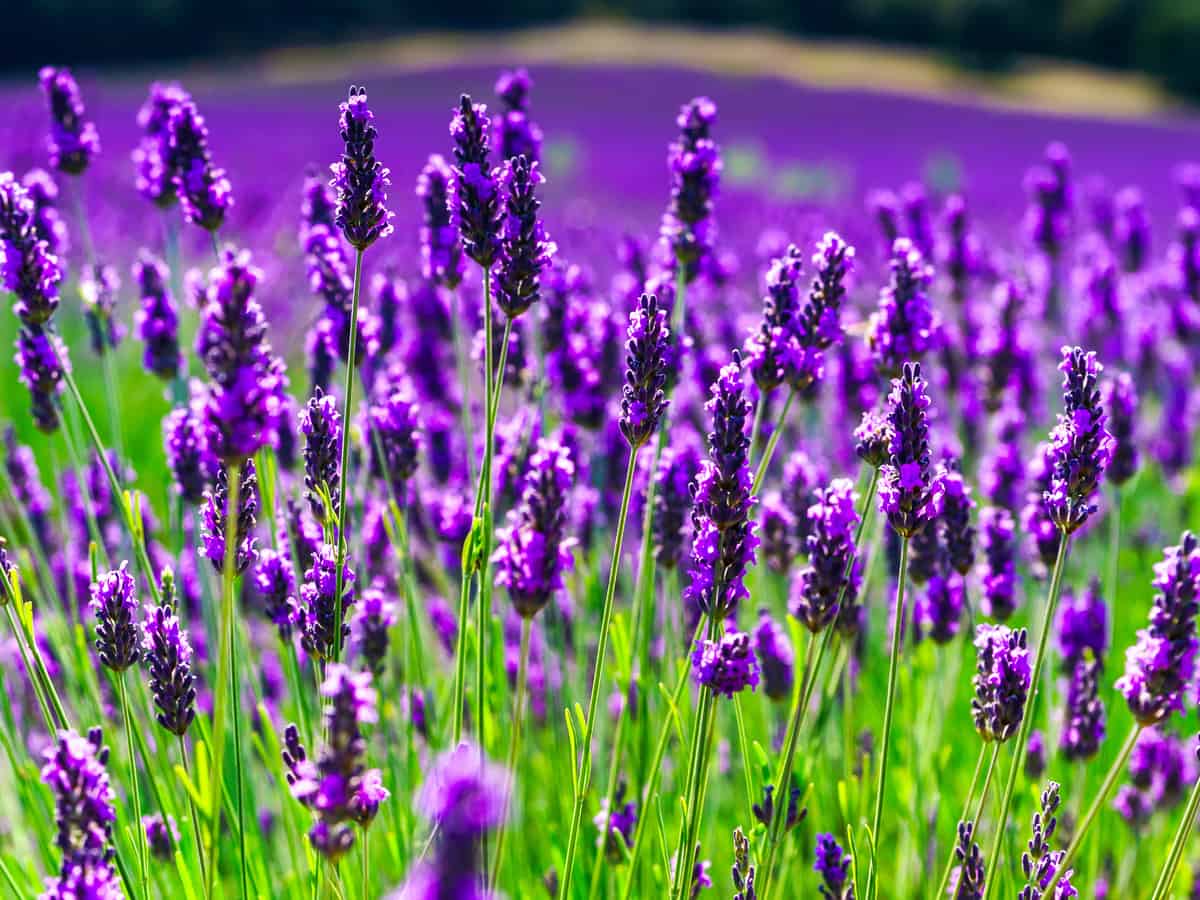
[[360, 180], [833, 573], [84, 813], [1081, 446], [518, 135], [205, 194], [321, 424], [1082, 625], [910, 492], [275, 582], [168, 655], [997, 536], [73, 139], [317, 615], [725, 666], [643, 396], [833, 865], [1118, 396], [28, 268], [694, 162], [441, 250], [475, 202], [215, 519], [775, 659], [115, 606], [189, 456], [157, 319], [373, 616], [904, 328], [525, 248], [1002, 675], [1083, 731], [672, 502]]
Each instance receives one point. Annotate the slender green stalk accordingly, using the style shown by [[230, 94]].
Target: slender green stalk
[[114, 400], [460, 654], [987, 784], [366, 864], [1022, 741], [701, 747], [1114, 546], [1085, 824], [760, 410], [464, 376], [889, 709], [610, 798], [239, 776], [585, 765], [514, 746], [804, 696], [135, 792], [197, 834], [344, 478], [772, 442], [1162, 887], [51, 726], [945, 880]]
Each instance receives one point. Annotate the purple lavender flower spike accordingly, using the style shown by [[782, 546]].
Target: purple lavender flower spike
[[1082, 625], [189, 457], [1043, 533], [205, 194], [997, 537], [29, 269], [275, 582], [833, 865], [157, 320], [958, 533], [1039, 863], [764, 812], [25, 480], [777, 532], [904, 327], [725, 666], [441, 250], [643, 396], [1083, 730], [967, 880], [152, 157], [1006, 369], [318, 605], [832, 520], [1163, 767], [517, 134], [395, 432], [48, 224], [38, 357], [1118, 396], [214, 519], [1035, 755], [672, 503], [525, 248], [115, 606], [937, 613], [958, 252], [723, 539], [242, 403], [369, 796], [873, 438], [818, 322], [321, 424], [918, 217], [771, 350], [1161, 666], [775, 659], [533, 551], [1051, 199], [1132, 229], [73, 139], [884, 207], [475, 201], [1002, 675], [910, 492], [1002, 469], [162, 836], [168, 655], [1081, 445], [695, 166], [369, 626], [98, 286], [360, 180], [615, 836]]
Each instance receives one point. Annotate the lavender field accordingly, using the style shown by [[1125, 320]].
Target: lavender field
[[619, 482]]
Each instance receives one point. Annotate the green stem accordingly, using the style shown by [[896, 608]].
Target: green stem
[[585, 765], [514, 746], [134, 787], [889, 709], [35, 679], [772, 441], [760, 409], [1014, 768], [1110, 781], [114, 400], [366, 865], [197, 834], [1114, 546], [344, 478], [987, 784], [234, 692], [945, 880], [460, 654], [1162, 887], [464, 377], [701, 747]]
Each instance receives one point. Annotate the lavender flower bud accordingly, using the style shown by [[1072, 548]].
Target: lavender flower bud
[[1082, 625], [373, 616], [48, 224], [910, 493], [672, 503], [476, 189], [643, 397], [873, 438], [1118, 396], [1002, 470], [1081, 445], [360, 180], [833, 520], [726, 666], [997, 534], [205, 194], [695, 166], [1132, 229], [29, 269], [115, 607], [938, 610], [774, 652], [1040, 864], [214, 519], [168, 655], [957, 531], [1002, 675], [615, 836], [968, 881], [518, 135], [157, 321], [73, 139], [162, 836], [189, 457], [317, 617], [321, 424], [152, 159], [275, 581], [84, 812], [818, 324], [99, 285], [773, 349], [395, 432], [904, 327], [441, 250], [1083, 730], [764, 812], [833, 865], [525, 248]]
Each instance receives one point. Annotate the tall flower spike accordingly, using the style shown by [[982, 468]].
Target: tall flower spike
[[818, 322], [525, 248], [517, 134], [833, 865], [958, 533], [98, 285], [157, 321], [441, 249], [189, 456], [475, 202], [1039, 863], [1118, 396], [115, 606], [317, 614], [771, 351], [533, 551], [910, 492], [214, 518], [1081, 446], [1083, 730], [321, 424], [30, 271], [39, 353], [275, 582], [359, 178], [969, 883], [395, 439], [1002, 674], [904, 327], [726, 666], [695, 167], [205, 194], [73, 139], [373, 617], [168, 654], [672, 503], [997, 536], [1161, 667], [774, 651], [832, 522], [1082, 628], [723, 539], [152, 158], [643, 397], [48, 224]]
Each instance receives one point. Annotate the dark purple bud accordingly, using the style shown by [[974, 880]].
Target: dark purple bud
[[157, 319], [1081, 446], [1118, 396], [214, 521], [1083, 728], [525, 248], [1002, 675], [672, 503], [275, 581], [726, 666], [829, 575], [317, 618], [910, 492], [904, 327], [997, 537], [643, 397], [30, 270], [833, 865], [359, 178], [441, 250], [168, 656], [694, 162], [321, 424], [205, 194], [517, 134], [115, 607], [73, 140], [775, 658], [152, 159], [373, 616], [189, 457], [475, 200]]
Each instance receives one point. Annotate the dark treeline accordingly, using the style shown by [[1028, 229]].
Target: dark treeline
[[1156, 36]]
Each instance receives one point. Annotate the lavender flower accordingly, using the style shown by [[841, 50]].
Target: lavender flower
[[938, 610], [1035, 516], [395, 439], [525, 248], [672, 503], [904, 327], [910, 492], [360, 180], [98, 286], [815, 593], [1118, 396], [725, 666], [1035, 755], [168, 655], [533, 551], [833, 865], [275, 582], [818, 324], [777, 532], [205, 194], [321, 424], [152, 159], [157, 321], [441, 250], [743, 873], [475, 202], [1082, 625], [873, 438], [115, 607], [997, 533], [1132, 229], [957, 532], [1081, 446], [1040, 864], [1002, 675], [1161, 666], [775, 658], [1051, 193], [764, 812], [643, 396], [373, 616], [1083, 730], [189, 457], [48, 224], [214, 519], [25, 481], [162, 836], [73, 140], [695, 166], [968, 881], [30, 270], [771, 351], [84, 812], [1002, 470], [615, 836], [518, 135], [317, 614]]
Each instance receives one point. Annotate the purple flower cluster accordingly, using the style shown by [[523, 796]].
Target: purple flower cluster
[[1002, 675], [904, 328], [275, 582], [48, 223], [723, 539], [1084, 728], [152, 159], [395, 438], [833, 865], [775, 657], [317, 612], [1051, 193], [98, 286], [725, 666], [475, 196], [321, 424], [214, 519], [910, 492], [643, 396], [113, 601], [695, 166], [189, 457], [373, 616], [73, 139], [672, 502], [1039, 863], [997, 537], [157, 319], [616, 829], [1161, 667], [518, 135], [770, 350], [534, 551], [1082, 628], [360, 180], [967, 881], [168, 656], [1162, 768], [1118, 396], [1081, 446], [525, 248], [205, 194], [829, 580], [873, 438], [441, 250]]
